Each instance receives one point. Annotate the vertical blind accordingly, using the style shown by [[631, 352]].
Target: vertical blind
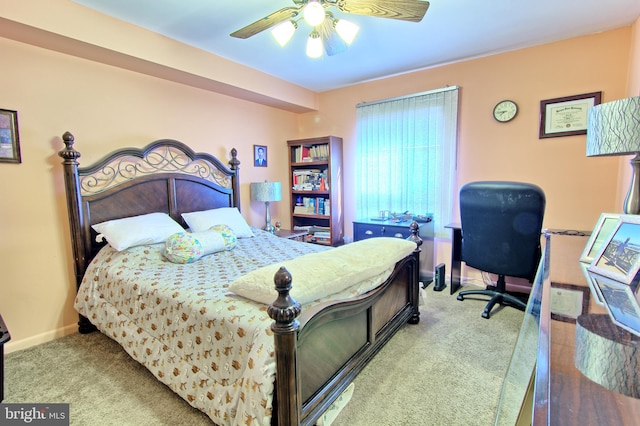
[[407, 155]]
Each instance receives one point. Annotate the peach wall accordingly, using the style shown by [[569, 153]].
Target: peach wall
[[105, 108], [634, 61], [578, 188]]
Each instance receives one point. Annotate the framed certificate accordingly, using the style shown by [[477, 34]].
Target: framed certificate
[[566, 116]]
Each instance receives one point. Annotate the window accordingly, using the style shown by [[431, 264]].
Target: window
[[407, 156]]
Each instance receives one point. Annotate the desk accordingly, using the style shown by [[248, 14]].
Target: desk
[[543, 385]]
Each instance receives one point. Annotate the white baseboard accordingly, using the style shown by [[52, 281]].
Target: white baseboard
[[16, 345]]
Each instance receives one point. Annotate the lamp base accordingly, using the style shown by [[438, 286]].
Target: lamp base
[[632, 200], [268, 227]]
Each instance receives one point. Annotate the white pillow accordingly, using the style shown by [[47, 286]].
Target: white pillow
[[230, 216], [134, 231]]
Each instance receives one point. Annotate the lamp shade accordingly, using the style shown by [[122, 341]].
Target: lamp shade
[[614, 128], [266, 191]]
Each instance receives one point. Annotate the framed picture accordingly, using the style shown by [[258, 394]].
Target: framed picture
[[595, 290], [605, 224], [260, 156], [619, 256], [621, 303], [9, 138], [566, 116], [568, 301]]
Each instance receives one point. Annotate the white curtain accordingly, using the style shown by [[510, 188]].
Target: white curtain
[[407, 156]]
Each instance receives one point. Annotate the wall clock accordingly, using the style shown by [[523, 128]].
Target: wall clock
[[505, 111]]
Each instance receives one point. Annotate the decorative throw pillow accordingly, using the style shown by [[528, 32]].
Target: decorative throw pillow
[[230, 216], [187, 247], [134, 231], [230, 239]]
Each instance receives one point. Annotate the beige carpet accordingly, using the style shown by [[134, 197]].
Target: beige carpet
[[447, 370]]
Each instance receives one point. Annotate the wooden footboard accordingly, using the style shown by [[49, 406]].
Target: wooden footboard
[[322, 351]]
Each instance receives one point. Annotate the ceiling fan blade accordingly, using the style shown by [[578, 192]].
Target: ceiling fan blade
[[405, 10], [267, 22], [332, 42]]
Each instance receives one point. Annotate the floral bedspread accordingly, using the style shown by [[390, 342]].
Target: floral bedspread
[[213, 348]]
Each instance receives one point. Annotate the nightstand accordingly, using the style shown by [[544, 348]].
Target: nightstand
[[4, 338], [291, 235]]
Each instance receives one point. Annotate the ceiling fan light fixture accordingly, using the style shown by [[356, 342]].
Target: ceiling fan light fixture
[[347, 30], [284, 31], [314, 45], [313, 13]]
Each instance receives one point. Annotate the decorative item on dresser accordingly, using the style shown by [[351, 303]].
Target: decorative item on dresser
[[266, 192], [369, 228], [315, 173], [306, 352]]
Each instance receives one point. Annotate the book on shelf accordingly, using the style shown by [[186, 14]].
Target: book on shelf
[[312, 205], [305, 154], [310, 180]]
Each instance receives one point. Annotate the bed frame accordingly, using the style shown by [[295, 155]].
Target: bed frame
[[319, 351]]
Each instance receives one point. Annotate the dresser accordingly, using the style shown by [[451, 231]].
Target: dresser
[[544, 385], [370, 228]]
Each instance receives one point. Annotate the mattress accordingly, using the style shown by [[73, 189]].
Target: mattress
[[213, 348]]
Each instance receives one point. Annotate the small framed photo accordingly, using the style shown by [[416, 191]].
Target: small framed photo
[[260, 156], [566, 116], [9, 138], [619, 256], [605, 224], [621, 303]]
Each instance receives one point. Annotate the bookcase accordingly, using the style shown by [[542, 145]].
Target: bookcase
[[315, 182]]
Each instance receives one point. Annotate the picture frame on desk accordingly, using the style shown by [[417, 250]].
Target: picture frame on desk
[[621, 302], [605, 224], [619, 256]]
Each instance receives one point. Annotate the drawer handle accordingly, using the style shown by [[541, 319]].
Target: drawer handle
[[399, 235], [368, 232]]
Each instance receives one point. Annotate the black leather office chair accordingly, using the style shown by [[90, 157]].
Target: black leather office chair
[[501, 226]]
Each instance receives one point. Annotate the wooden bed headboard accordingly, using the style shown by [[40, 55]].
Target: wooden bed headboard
[[165, 176]]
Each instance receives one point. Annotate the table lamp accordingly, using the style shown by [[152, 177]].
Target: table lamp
[[613, 128], [267, 192]]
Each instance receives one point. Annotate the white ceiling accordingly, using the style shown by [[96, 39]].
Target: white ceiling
[[451, 30]]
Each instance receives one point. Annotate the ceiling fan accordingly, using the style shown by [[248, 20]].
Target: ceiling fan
[[328, 32]]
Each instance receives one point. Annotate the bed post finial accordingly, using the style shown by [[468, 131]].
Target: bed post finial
[[68, 153], [284, 311]]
